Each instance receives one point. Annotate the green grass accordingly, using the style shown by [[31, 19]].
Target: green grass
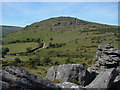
[[40, 71], [20, 47], [69, 37]]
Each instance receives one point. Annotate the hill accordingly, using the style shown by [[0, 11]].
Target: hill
[[65, 24], [9, 29], [55, 26], [67, 40]]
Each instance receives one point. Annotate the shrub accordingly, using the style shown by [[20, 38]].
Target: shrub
[[51, 39], [56, 45], [67, 61], [34, 61], [17, 60], [4, 51], [46, 60]]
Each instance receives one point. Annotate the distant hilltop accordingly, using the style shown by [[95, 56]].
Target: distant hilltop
[[9, 29], [65, 23]]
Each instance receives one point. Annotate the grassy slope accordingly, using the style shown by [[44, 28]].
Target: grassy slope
[[20, 47], [81, 40]]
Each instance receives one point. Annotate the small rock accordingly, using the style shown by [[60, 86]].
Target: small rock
[[70, 86]]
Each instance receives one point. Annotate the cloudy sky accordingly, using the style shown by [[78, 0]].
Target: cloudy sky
[[25, 13]]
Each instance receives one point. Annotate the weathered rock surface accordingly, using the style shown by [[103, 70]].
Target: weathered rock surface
[[3, 85], [118, 77], [105, 47], [104, 80], [107, 56], [70, 73], [18, 78], [116, 84], [70, 86], [70, 22]]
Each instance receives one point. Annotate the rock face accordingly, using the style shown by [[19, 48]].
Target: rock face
[[70, 86], [104, 47], [116, 84], [70, 73], [107, 56], [104, 80], [70, 22], [17, 78]]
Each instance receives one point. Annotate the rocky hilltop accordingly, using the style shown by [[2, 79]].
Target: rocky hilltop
[[104, 74], [65, 24]]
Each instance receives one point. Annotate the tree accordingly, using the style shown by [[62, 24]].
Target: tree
[[5, 50], [51, 39], [38, 40]]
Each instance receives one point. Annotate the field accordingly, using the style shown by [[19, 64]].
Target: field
[[20, 47]]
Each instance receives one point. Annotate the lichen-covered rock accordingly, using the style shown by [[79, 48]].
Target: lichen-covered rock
[[105, 47], [20, 78], [70, 73], [104, 80], [70, 86]]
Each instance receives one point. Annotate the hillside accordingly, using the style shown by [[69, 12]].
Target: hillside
[[67, 40], [55, 26], [9, 29], [65, 24]]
